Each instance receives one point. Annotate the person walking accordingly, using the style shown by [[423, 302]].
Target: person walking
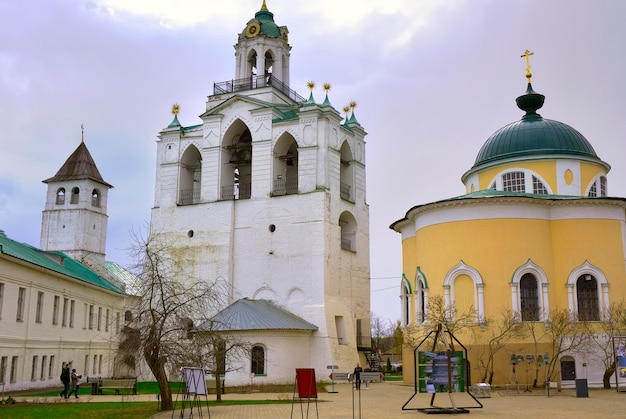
[[65, 379], [357, 376], [75, 383]]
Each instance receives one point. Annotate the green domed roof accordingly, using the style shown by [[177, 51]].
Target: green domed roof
[[534, 136], [264, 20]]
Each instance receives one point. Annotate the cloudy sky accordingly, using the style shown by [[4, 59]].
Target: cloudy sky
[[432, 80]]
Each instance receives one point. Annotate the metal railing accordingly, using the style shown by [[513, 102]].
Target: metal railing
[[189, 196], [255, 82], [363, 342], [285, 186], [237, 191]]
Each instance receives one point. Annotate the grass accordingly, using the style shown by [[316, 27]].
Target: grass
[[125, 409]]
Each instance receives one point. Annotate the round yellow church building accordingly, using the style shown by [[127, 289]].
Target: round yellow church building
[[528, 267]]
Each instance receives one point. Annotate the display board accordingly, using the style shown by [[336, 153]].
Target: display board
[[438, 374], [307, 386], [195, 381], [619, 349]]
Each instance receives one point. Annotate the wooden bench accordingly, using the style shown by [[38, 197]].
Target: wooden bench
[[118, 384]]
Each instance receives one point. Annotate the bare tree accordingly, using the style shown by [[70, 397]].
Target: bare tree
[[495, 337], [171, 302], [614, 324], [564, 335]]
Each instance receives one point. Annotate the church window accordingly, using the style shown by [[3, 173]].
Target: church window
[[21, 295], [592, 190], [420, 297], [539, 187], [258, 360], [493, 186], [568, 368], [285, 166], [341, 330], [75, 195], [236, 172], [587, 296], [190, 177], [406, 302], [529, 298], [95, 198], [348, 226], [514, 182], [346, 173], [128, 316], [39, 311], [598, 187], [60, 196]]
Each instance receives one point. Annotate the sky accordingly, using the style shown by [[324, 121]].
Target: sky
[[432, 79]]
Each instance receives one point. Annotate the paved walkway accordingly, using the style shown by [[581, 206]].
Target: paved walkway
[[385, 400]]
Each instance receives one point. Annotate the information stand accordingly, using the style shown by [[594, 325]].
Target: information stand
[[195, 387], [440, 370], [619, 353], [306, 387]]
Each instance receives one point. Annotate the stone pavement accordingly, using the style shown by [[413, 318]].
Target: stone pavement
[[385, 400]]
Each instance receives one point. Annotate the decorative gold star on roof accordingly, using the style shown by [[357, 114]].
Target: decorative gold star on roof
[[326, 87], [310, 84], [352, 104], [346, 109], [175, 108]]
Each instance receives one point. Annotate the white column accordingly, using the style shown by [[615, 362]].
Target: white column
[[545, 302], [481, 302]]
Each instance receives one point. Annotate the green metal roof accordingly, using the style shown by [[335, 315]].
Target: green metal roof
[[55, 261], [267, 26], [246, 314], [534, 136]]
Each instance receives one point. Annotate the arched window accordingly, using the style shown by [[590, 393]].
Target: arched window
[[95, 198], [236, 172], [587, 296], [190, 181], [128, 316], [405, 301], [529, 292], [257, 360], [598, 184], [514, 182], [529, 298], [285, 166], [421, 297], [75, 194], [520, 180], [346, 173], [60, 196], [462, 271], [348, 226], [539, 187]]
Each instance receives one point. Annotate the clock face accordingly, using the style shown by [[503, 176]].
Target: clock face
[[253, 29]]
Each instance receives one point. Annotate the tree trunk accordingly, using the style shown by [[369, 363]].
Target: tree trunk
[[157, 366], [218, 388], [606, 377]]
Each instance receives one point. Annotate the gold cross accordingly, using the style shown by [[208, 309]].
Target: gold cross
[[528, 73]]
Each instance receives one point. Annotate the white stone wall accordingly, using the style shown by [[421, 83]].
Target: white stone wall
[[56, 342]]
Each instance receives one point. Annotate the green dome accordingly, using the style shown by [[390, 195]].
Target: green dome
[[534, 136], [264, 23]]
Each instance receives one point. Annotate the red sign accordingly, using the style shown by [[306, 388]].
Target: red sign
[[307, 387]]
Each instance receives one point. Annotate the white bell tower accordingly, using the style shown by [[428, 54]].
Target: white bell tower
[[263, 49], [74, 220]]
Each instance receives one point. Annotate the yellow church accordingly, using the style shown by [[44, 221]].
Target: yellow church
[[528, 267]]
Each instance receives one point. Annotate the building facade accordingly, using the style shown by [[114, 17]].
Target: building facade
[[62, 302], [266, 195], [536, 233]]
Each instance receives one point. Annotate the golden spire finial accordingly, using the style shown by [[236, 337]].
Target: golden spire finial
[[82, 133], [175, 108], [310, 84], [326, 87], [528, 73], [352, 105], [264, 6], [346, 109]]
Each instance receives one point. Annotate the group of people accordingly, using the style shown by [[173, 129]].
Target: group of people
[[70, 379]]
